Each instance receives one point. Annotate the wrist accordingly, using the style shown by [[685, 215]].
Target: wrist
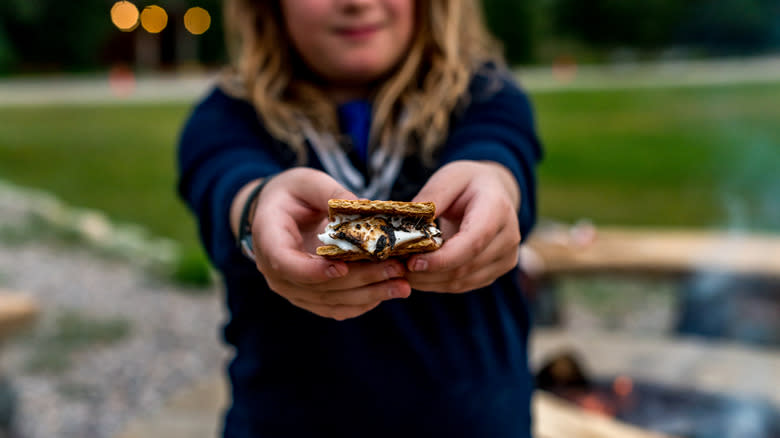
[[507, 180], [243, 230]]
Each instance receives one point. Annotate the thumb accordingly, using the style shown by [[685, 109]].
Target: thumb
[[443, 188], [314, 188]]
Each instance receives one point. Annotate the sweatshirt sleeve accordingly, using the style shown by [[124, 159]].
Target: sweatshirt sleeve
[[498, 125], [221, 148]]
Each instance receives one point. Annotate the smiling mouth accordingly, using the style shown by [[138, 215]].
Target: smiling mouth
[[358, 32]]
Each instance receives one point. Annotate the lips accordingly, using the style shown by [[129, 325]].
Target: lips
[[358, 31]]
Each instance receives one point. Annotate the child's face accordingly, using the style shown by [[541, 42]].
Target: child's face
[[350, 41]]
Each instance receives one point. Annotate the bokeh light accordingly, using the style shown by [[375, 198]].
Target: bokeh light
[[124, 15], [154, 19], [623, 386], [197, 20]]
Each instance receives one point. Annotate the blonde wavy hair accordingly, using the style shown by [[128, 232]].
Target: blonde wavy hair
[[450, 43]]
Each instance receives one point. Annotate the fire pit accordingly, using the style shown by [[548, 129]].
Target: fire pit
[[682, 387], [673, 410], [712, 372], [683, 412]]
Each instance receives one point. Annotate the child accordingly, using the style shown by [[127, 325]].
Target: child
[[378, 99]]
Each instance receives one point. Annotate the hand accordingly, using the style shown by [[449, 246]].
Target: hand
[[291, 211], [477, 204]]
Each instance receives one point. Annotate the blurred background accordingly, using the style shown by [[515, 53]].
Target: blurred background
[[654, 272]]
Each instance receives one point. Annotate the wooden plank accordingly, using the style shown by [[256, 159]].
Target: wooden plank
[[558, 251], [17, 310], [557, 418]]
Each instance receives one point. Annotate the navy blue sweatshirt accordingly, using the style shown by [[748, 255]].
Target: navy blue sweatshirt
[[429, 365]]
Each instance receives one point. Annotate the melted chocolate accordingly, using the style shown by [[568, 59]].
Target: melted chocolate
[[344, 236], [381, 244], [390, 232]]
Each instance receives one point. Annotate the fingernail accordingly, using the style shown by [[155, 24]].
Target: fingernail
[[333, 272], [392, 271], [419, 265], [394, 292]]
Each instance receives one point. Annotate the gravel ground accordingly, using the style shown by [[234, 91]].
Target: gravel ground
[[172, 337], [173, 340]]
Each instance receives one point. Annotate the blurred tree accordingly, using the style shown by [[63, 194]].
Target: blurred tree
[[62, 35], [732, 26], [53, 34], [7, 54], [642, 23], [512, 22], [718, 27]]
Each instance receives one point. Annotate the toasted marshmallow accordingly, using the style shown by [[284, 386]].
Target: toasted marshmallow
[[376, 230]]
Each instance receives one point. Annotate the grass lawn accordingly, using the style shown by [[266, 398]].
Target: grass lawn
[[678, 157], [119, 159], [691, 157]]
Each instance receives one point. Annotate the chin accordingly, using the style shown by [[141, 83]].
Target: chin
[[365, 65], [365, 71]]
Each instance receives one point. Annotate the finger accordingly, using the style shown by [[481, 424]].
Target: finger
[[300, 267], [292, 198], [492, 271], [358, 275], [280, 251], [477, 278], [282, 286], [366, 273], [360, 296], [497, 259], [337, 312], [314, 188], [471, 240], [442, 190], [456, 274], [380, 291], [485, 216]]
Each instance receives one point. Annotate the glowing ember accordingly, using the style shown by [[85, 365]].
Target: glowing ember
[[591, 402], [623, 386]]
